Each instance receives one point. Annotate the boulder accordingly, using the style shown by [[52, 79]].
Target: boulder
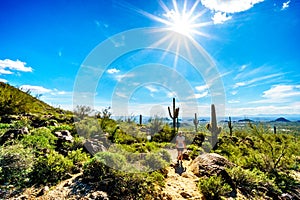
[[13, 134], [93, 146], [64, 136], [209, 164]]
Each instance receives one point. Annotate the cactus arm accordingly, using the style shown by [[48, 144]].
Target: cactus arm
[[170, 112]]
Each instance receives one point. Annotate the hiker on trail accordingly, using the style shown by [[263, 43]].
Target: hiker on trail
[[180, 145]]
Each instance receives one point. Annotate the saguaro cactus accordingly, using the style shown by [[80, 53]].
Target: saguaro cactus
[[175, 115], [196, 122], [141, 119], [213, 127], [230, 126]]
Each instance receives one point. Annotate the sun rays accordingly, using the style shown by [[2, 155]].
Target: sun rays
[[183, 22]]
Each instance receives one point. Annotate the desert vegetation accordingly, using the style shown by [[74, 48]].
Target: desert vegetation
[[43, 146]]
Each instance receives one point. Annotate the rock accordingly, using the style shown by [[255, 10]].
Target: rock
[[210, 164], [98, 195], [94, 146], [13, 134], [64, 136], [185, 195], [43, 191]]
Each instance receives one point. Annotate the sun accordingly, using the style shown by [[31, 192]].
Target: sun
[[179, 23], [184, 20]]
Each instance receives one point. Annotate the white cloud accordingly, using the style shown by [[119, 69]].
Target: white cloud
[[13, 66], [3, 80], [4, 71], [113, 71], [234, 92], [220, 18], [151, 88], [259, 110], [285, 5], [201, 88], [35, 89], [249, 82], [242, 68], [201, 95], [229, 6], [203, 91], [282, 91], [239, 84], [233, 101], [128, 75]]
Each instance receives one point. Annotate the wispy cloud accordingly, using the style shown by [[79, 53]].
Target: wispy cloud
[[233, 101], [202, 91], [282, 91], [113, 71], [3, 80], [220, 18], [35, 89], [201, 88], [249, 82], [7, 66], [128, 75], [285, 5], [151, 88]]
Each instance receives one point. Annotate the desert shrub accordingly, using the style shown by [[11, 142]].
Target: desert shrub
[[164, 135], [51, 168], [94, 169], [206, 146], [78, 143], [135, 186], [78, 158], [249, 180], [258, 148], [195, 150], [155, 161], [115, 160], [68, 127], [123, 138], [39, 139], [213, 187], [16, 163], [88, 127]]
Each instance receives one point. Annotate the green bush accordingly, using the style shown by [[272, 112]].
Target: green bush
[[248, 180], [39, 139], [114, 160], [51, 168], [94, 169], [213, 187], [155, 161], [78, 158], [135, 186], [195, 150], [16, 163]]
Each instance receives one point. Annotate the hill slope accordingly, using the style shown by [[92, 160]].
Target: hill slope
[[16, 101]]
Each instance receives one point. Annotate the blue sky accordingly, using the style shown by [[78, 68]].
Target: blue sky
[[253, 44]]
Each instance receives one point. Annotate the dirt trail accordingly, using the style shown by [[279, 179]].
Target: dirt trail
[[182, 186]]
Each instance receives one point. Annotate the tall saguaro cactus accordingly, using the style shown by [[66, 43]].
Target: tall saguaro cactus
[[174, 116], [196, 122], [213, 127], [230, 126]]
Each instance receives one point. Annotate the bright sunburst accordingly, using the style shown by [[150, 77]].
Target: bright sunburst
[[183, 20]]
